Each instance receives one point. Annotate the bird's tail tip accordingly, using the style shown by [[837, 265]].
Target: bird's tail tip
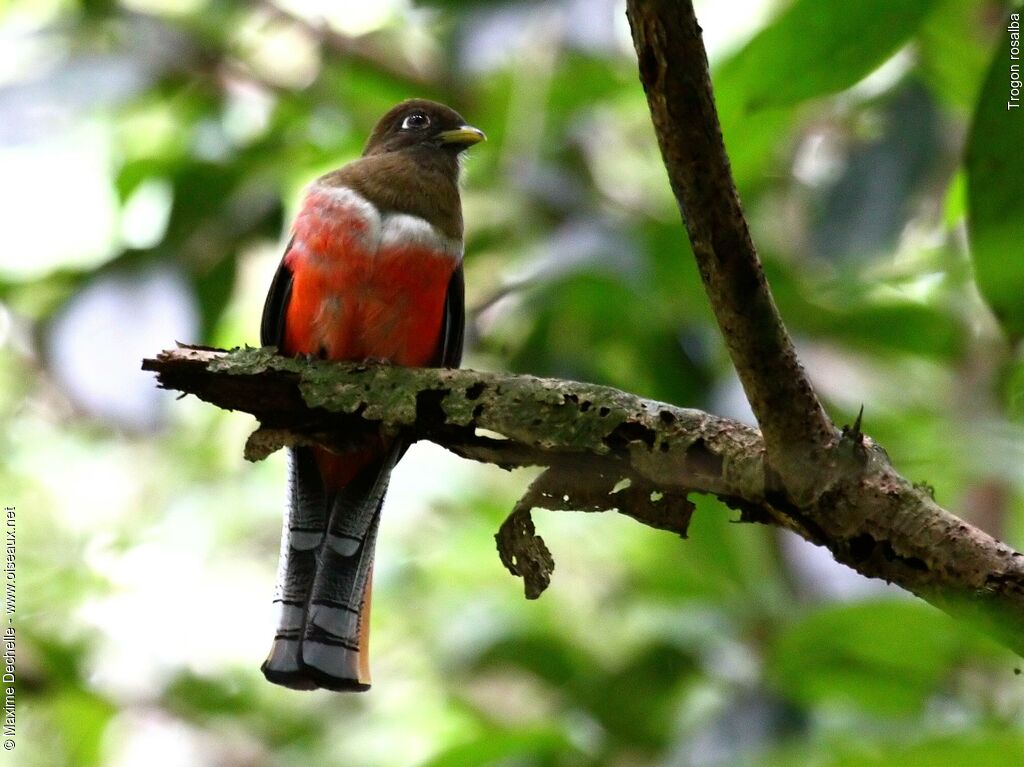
[[310, 665]]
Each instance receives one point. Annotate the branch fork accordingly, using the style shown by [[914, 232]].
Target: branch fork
[[605, 449]]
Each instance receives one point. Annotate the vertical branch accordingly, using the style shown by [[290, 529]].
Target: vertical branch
[[674, 72]]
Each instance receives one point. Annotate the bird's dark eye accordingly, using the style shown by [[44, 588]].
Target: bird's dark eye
[[415, 121]]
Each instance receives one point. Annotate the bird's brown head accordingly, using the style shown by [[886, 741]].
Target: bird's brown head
[[411, 164], [422, 124]]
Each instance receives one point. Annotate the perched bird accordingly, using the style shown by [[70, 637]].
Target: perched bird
[[373, 271]]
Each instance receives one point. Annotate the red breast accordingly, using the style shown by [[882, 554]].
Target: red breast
[[366, 285]]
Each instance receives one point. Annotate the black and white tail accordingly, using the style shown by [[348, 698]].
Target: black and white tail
[[324, 577]]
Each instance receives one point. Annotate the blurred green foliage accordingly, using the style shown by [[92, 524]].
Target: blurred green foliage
[[995, 176], [153, 153]]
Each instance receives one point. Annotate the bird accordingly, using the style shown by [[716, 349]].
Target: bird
[[372, 271]]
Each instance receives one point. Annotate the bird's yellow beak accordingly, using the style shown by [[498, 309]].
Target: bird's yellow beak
[[467, 135]]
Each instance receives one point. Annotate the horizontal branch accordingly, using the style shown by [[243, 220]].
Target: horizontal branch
[[606, 449]]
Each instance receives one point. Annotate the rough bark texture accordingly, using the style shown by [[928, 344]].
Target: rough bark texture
[[605, 449], [674, 73]]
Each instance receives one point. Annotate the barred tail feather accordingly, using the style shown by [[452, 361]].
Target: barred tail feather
[[323, 634], [305, 525], [336, 636]]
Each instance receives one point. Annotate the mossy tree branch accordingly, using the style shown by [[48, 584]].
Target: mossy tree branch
[[604, 449]]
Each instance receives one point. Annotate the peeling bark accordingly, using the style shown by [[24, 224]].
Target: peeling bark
[[605, 449]]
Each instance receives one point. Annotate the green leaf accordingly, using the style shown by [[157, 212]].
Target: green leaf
[[953, 51], [641, 713], [812, 49], [496, 747], [847, 307], [721, 562], [213, 290], [83, 717], [543, 653], [603, 328], [954, 207], [995, 194], [998, 750], [815, 48], [1014, 390], [993, 749], [885, 657], [581, 82]]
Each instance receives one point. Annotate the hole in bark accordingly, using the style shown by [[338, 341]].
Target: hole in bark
[[865, 546], [603, 412], [666, 417], [701, 460], [428, 407], [585, 405], [473, 392], [629, 431], [862, 546], [914, 563]]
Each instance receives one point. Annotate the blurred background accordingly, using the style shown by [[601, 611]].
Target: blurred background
[[152, 153]]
